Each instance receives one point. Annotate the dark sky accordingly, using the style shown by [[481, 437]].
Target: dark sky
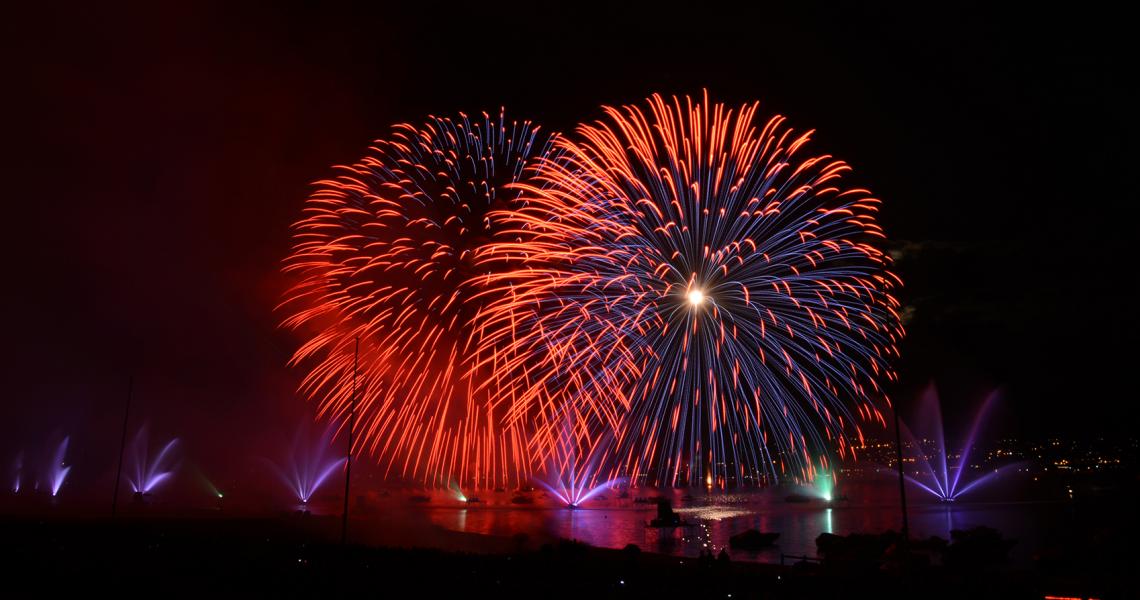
[[156, 156]]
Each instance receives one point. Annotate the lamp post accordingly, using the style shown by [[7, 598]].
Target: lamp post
[[122, 446], [899, 460], [351, 428]]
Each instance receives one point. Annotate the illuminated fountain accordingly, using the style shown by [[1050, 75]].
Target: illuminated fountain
[[941, 476], [307, 465], [212, 489], [573, 487], [209, 487], [57, 470], [54, 471], [457, 493], [572, 480], [821, 487], [18, 473], [144, 473]]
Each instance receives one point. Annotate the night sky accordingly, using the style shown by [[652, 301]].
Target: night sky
[[155, 158]]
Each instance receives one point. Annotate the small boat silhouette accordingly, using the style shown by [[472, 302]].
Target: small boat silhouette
[[666, 518]]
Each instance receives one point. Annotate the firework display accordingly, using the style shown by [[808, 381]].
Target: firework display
[[677, 294], [699, 294], [385, 253]]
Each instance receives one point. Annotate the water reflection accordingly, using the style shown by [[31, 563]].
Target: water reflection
[[716, 517]]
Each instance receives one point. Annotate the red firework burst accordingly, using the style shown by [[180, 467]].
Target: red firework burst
[[385, 254]]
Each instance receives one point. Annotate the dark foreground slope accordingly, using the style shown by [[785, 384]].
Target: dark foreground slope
[[295, 557]]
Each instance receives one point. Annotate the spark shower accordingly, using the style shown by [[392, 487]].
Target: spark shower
[[678, 292]]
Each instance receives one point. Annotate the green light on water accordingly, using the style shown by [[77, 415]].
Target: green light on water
[[824, 486], [459, 495]]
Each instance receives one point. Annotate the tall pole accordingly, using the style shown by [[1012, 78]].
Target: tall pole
[[899, 460], [122, 446], [351, 427]]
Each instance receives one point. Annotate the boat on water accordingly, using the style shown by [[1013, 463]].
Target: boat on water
[[798, 498], [521, 499], [666, 518]]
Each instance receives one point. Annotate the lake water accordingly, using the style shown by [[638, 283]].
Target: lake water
[[870, 508]]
